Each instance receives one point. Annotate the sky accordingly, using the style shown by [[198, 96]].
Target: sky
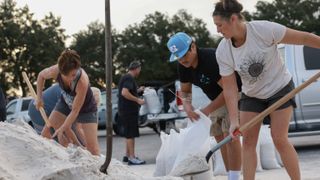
[[77, 14]]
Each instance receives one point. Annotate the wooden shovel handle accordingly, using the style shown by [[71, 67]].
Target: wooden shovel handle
[[34, 95]]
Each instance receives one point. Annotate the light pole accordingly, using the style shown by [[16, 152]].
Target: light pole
[[108, 62]]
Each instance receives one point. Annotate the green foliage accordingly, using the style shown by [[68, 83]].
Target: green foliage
[[146, 42], [297, 14], [26, 44], [90, 44]]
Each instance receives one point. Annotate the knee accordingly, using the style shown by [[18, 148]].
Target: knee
[[280, 142], [249, 144], [94, 149]]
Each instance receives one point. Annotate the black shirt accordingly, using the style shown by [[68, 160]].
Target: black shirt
[[206, 74], [125, 105]]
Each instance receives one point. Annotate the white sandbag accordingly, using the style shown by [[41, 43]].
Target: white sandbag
[[219, 167], [267, 149], [160, 169], [152, 101], [194, 147], [258, 152], [143, 110], [172, 150], [207, 175]]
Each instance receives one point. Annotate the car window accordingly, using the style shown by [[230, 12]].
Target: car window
[[25, 104], [11, 109], [311, 58]]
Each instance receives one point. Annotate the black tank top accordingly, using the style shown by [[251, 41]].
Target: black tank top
[[68, 94]]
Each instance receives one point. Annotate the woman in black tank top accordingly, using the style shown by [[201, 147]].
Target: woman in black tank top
[[76, 104]]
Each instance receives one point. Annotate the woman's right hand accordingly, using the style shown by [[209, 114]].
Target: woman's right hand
[[38, 103], [233, 127]]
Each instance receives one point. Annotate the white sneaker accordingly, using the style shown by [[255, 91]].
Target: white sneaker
[[135, 161]]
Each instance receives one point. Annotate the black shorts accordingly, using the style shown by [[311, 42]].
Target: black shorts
[[129, 125], [251, 104], [89, 117]]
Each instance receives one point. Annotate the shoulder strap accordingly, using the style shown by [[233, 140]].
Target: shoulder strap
[[76, 80]]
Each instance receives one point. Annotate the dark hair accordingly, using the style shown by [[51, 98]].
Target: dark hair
[[68, 60], [225, 8], [134, 65]]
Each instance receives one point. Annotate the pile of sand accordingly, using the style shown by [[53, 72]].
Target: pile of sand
[[24, 155]]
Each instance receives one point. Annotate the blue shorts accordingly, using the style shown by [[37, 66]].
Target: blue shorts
[[89, 117]]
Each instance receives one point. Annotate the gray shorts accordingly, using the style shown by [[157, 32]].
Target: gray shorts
[[251, 104], [90, 117]]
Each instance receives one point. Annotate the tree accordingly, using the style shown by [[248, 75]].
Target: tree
[[26, 44], [146, 42], [297, 14], [90, 45]]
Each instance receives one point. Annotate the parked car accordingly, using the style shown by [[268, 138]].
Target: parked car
[[303, 62], [18, 109], [102, 108]]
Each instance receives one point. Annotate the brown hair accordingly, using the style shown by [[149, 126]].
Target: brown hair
[[68, 60], [225, 8]]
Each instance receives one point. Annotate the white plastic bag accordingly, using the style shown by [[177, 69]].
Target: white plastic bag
[[171, 152], [152, 101], [194, 147], [267, 149], [143, 110], [160, 169]]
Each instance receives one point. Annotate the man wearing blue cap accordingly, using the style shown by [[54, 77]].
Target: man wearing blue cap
[[199, 66]]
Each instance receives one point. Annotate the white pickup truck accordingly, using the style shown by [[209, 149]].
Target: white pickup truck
[[303, 62], [18, 109]]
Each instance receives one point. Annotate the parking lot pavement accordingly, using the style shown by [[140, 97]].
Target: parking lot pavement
[[148, 144]]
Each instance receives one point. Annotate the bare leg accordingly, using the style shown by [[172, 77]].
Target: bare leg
[[234, 155], [130, 147], [250, 138], [224, 152], [91, 137], [56, 119], [80, 133], [279, 130]]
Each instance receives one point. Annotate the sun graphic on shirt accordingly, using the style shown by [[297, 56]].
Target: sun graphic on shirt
[[253, 68]]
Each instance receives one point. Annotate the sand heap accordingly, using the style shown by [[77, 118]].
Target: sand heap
[[24, 155]]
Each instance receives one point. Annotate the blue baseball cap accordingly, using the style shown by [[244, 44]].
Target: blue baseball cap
[[178, 45]]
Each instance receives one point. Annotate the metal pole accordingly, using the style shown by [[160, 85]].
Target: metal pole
[[108, 62]]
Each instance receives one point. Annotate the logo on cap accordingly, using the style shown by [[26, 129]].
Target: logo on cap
[[173, 49]]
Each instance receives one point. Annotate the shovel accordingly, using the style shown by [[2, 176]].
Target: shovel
[[263, 114]]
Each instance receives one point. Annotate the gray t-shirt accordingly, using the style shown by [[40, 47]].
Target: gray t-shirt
[[257, 61]]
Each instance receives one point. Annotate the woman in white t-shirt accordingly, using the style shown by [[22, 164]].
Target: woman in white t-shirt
[[250, 48]]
